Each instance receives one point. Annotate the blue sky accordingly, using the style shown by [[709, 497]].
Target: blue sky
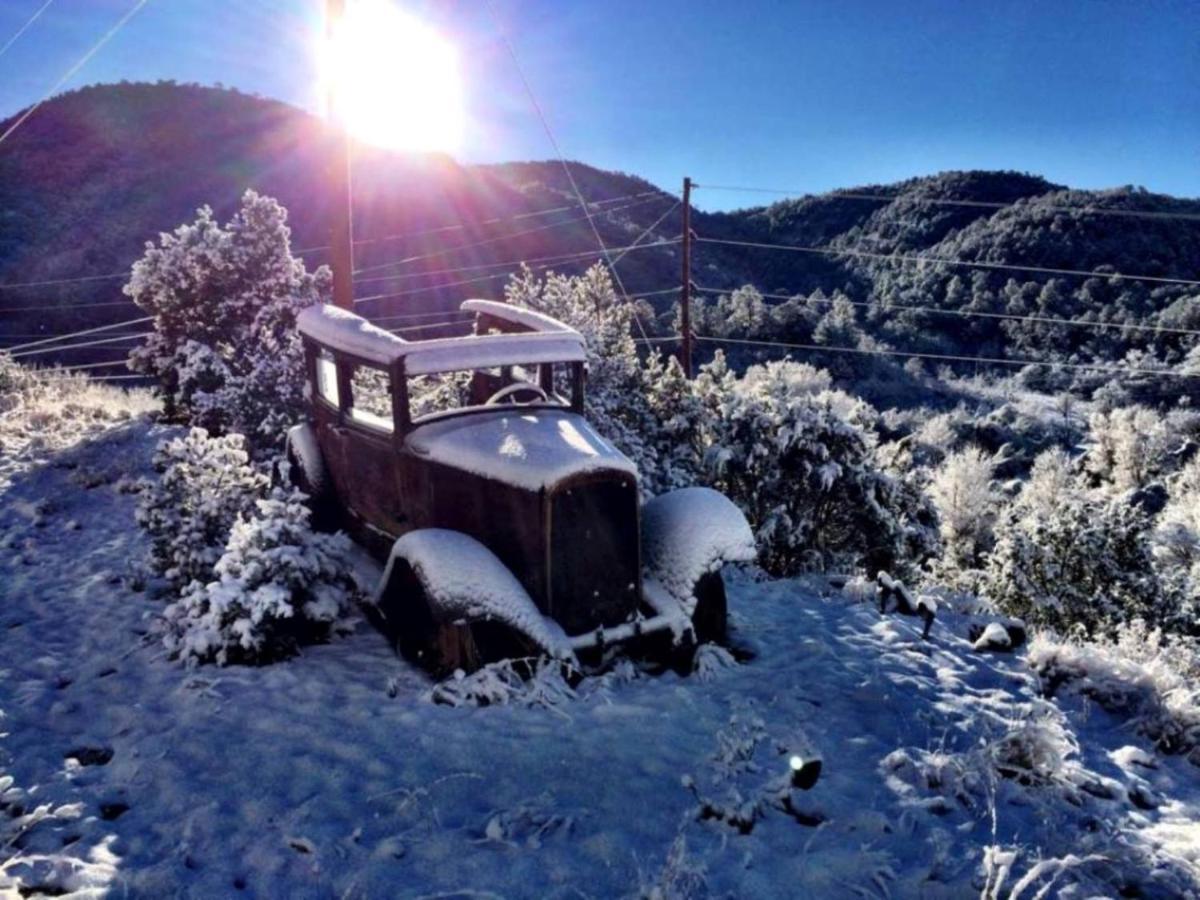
[[793, 94]]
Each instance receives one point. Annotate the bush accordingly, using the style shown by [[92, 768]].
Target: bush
[[278, 585], [963, 490], [1128, 447], [798, 458], [1068, 557], [225, 349], [1141, 673], [205, 483], [1175, 544]]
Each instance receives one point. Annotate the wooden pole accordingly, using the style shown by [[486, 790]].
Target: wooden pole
[[685, 288], [341, 225]]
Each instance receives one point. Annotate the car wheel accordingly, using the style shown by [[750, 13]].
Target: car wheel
[[409, 620], [320, 499], [710, 617]]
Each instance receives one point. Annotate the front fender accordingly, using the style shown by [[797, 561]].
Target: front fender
[[689, 533]]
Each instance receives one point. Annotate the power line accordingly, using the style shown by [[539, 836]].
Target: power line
[[947, 357], [497, 239], [55, 281], [118, 377], [537, 107], [58, 349], [413, 316], [646, 232], [974, 204], [20, 31], [62, 337], [508, 263], [95, 48], [450, 284], [492, 221], [95, 365], [971, 313], [900, 257]]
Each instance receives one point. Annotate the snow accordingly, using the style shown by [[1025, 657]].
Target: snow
[[994, 637], [487, 351], [533, 450], [688, 533], [338, 774], [518, 315], [346, 332], [349, 333], [464, 580]]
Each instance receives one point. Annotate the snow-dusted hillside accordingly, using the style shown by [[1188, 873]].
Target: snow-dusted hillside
[[946, 772]]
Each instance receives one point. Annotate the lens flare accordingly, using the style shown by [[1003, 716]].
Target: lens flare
[[393, 81]]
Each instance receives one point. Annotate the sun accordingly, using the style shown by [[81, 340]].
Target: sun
[[393, 80]]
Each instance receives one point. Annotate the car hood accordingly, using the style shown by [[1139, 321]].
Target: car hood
[[533, 449]]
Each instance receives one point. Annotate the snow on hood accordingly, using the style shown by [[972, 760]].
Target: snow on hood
[[534, 449]]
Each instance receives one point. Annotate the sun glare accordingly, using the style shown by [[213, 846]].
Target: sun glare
[[394, 80]]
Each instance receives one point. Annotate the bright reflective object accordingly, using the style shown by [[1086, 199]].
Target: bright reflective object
[[393, 80]]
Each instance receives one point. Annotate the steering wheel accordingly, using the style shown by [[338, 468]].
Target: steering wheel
[[510, 391]]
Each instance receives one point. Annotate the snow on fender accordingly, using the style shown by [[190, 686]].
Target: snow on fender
[[687, 534], [463, 579]]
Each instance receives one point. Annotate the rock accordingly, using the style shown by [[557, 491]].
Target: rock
[[994, 637]]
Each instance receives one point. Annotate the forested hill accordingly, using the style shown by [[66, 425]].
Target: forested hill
[[96, 172]]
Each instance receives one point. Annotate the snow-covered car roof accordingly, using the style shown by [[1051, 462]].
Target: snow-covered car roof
[[346, 332], [532, 449]]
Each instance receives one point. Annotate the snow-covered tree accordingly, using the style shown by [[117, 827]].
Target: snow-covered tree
[[1069, 557], [963, 490], [616, 395], [679, 426], [742, 313], [1175, 544], [204, 484], [224, 300], [276, 585], [1127, 447]]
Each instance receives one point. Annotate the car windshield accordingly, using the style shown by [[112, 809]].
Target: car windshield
[[516, 385]]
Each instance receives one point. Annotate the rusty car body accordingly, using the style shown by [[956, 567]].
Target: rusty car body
[[509, 526]]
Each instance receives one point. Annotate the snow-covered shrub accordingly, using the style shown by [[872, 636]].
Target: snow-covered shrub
[[1128, 447], [205, 483], [1141, 674], [225, 349], [799, 459], [616, 400], [533, 683], [964, 492], [1066, 556], [646, 408], [277, 584], [1175, 544]]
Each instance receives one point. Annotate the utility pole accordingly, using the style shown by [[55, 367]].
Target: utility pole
[[341, 226], [685, 288]]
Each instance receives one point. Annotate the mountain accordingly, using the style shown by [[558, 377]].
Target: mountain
[[97, 172]]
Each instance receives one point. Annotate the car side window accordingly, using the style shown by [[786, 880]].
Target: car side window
[[371, 394], [327, 382]]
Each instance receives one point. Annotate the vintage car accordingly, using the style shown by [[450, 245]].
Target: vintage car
[[508, 525]]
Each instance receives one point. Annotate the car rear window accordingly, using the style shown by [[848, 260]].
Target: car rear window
[[327, 384], [371, 393]]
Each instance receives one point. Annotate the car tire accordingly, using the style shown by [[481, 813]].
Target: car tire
[[710, 618], [321, 503], [410, 622]]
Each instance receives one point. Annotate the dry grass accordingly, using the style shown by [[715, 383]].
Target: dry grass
[[44, 411]]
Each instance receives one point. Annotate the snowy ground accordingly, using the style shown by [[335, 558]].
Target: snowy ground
[[335, 774]]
